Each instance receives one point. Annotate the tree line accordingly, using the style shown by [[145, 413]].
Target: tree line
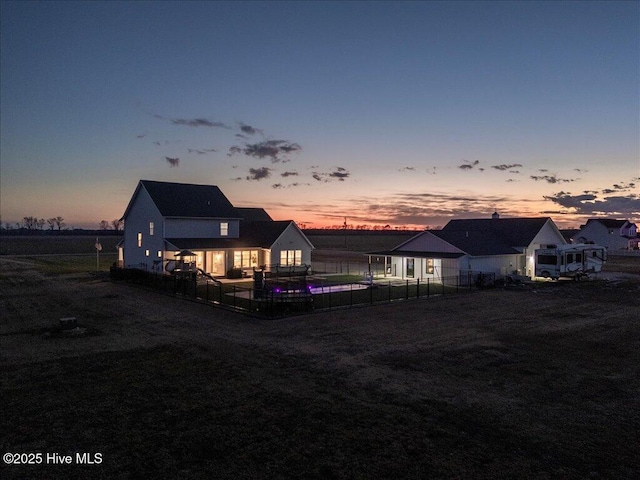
[[56, 223]]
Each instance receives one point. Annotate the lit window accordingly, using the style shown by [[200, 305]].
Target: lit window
[[245, 259], [151, 228], [146, 252], [159, 253], [291, 257], [139, 239], [429, 266], [224, 229]]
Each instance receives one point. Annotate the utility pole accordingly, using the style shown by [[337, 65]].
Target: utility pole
[[345, 232]]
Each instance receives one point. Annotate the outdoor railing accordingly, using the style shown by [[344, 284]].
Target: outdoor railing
[[318, 294]]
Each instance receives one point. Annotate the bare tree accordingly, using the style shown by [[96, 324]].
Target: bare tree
[[116, 224], [51, 222], [59, 222], [29, 222], [104, 225]]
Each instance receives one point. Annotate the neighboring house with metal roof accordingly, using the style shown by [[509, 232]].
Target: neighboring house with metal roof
[[168, 225], [500, 246], [610, 233]]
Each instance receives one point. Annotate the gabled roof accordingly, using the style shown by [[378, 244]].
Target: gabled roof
[[608, 222], [252, 234], [188, 200], [492, 236], [254, 214]]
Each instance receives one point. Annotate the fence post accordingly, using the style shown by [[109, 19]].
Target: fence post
[[389, 290], [371, 293], [442, 285], [418, 289], [351, 294], [234, 296], [428, 285], [457, 283], [406, 291]]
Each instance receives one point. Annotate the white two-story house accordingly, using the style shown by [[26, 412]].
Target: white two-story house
[[611, 233], [170, 225]]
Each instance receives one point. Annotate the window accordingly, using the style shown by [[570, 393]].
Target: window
[[429, 266], [224, 229], [151, 228], [139, 239], [547, 260], [159, 253], [245, 259], [291, 257], [146, 252], [569, 258]]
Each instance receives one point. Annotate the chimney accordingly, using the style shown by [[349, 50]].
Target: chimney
[[495, 216]]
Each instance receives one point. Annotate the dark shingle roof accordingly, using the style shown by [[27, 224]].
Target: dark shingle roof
[[608, 222], [254, 214], [492, 236], [252, 234], [189, 200]]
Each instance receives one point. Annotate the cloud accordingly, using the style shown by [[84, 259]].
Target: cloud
[[173, 162], [142, 135], [276, 150], [288, 174], [277, 186], [248, 129], [340, 173], [406, 169], [198, 122], [592, 204], [505, 166], [258, 173], [551, 179], [201, 152], [470, 165]]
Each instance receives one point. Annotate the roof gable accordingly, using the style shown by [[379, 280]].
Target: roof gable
[[493, 236], [189, 200], [254, 214], [608, 222]]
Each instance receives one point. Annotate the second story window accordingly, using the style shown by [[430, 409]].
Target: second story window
[[139, 239], [224, 229], [151, 228]]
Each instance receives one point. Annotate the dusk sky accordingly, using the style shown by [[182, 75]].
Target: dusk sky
[[399, 113]]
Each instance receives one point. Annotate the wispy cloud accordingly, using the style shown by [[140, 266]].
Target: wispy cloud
[[467, 165], [275, 150], [503, 167], [288, 174], [551, 179], [258, 173], [199, 122], [203, 151], [340, 173], [172, 161], [248, 129]]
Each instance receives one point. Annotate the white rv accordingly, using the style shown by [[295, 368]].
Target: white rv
[[573, 261]]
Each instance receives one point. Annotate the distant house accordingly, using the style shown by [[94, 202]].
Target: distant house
[[170, 225], [613, 234], [500, 246]]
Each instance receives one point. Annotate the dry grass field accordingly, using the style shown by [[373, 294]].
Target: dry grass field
[[536, 383]]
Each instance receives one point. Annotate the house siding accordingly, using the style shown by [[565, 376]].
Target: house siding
[[199, 228], [596, 232], [291, 239], [137, 221]]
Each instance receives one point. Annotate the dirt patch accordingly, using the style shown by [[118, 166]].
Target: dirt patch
[[538, 383]]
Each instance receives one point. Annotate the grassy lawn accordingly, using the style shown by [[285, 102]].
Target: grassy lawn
[[64, 264], [537, 383]]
